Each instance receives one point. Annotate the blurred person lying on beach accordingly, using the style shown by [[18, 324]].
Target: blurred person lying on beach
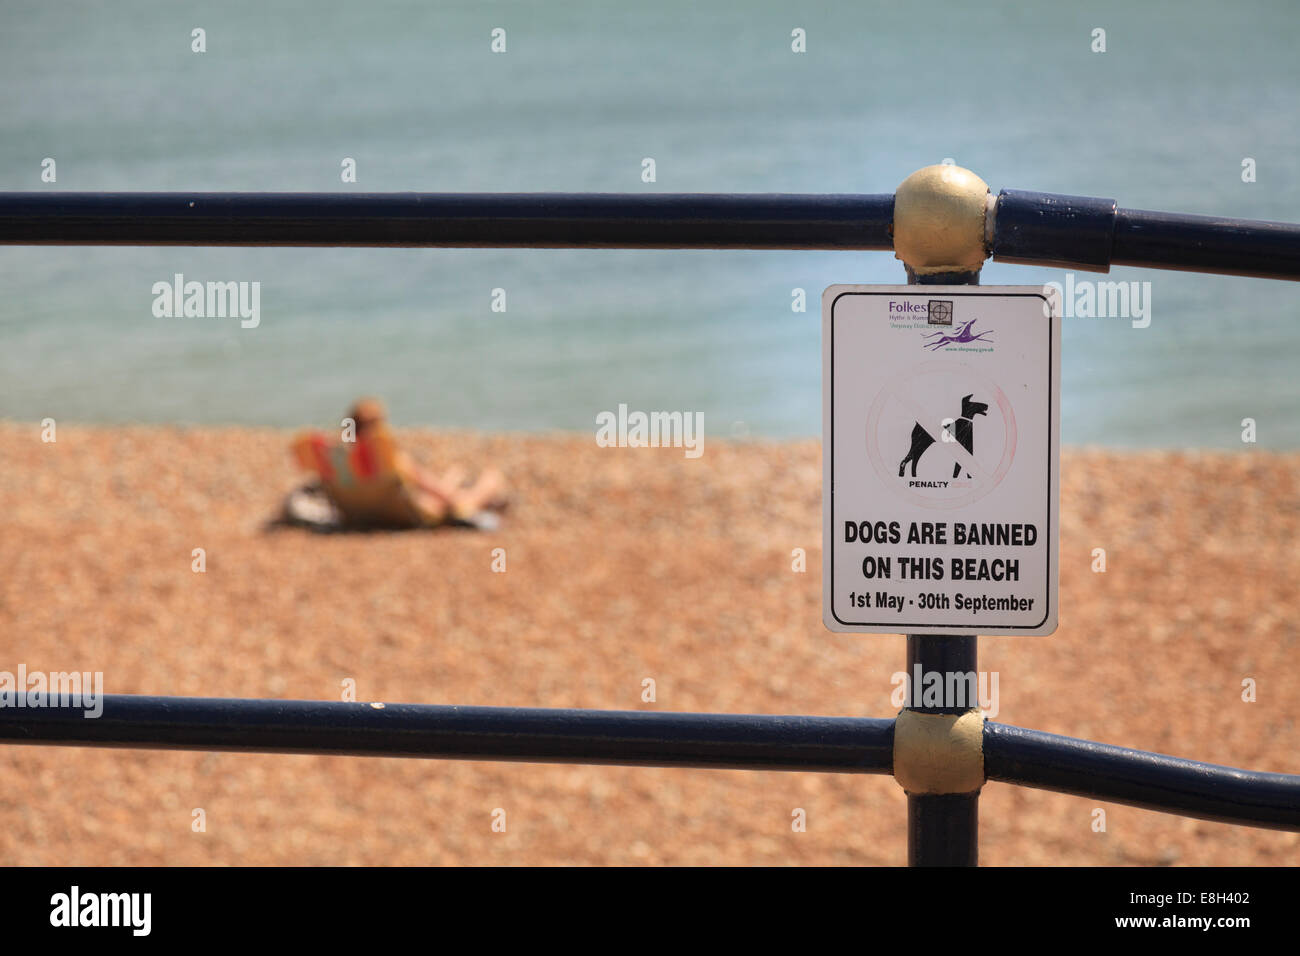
[[370, 482]]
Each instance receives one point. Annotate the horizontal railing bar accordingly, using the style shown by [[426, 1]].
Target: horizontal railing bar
[[1167, 240], [644, 738], [1079, 232], [1034, 758], [1069, 232], [650, 738], [558, 220]]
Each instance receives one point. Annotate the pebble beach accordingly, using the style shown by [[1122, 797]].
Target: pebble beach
[[619, 565]]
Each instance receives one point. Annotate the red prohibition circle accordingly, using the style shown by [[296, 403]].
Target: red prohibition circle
[[888, 476]]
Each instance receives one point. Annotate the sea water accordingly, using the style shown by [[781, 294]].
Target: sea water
[[284, 95]]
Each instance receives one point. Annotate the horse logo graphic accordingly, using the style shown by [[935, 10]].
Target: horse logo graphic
[[960, 337]]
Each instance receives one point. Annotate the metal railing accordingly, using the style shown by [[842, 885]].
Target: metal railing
[[1069, 232], [1022, 227], [651, 739]]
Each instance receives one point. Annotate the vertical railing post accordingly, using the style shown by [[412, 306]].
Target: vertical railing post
[[942, 828]]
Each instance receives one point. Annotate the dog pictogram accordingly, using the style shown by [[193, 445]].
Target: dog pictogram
[[963, 429]]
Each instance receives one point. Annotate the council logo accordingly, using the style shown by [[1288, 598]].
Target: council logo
[[940, 312]]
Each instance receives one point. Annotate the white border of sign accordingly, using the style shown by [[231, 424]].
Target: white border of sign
[[1049, 623]]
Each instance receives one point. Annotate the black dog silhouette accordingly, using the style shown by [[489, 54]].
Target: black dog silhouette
[[963, 430]]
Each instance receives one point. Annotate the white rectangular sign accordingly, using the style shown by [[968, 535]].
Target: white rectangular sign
[[941, 459]]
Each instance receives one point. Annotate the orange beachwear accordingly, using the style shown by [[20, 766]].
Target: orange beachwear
[[367, 479]]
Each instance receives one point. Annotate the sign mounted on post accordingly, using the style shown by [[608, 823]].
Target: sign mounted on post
[[941, 459]]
